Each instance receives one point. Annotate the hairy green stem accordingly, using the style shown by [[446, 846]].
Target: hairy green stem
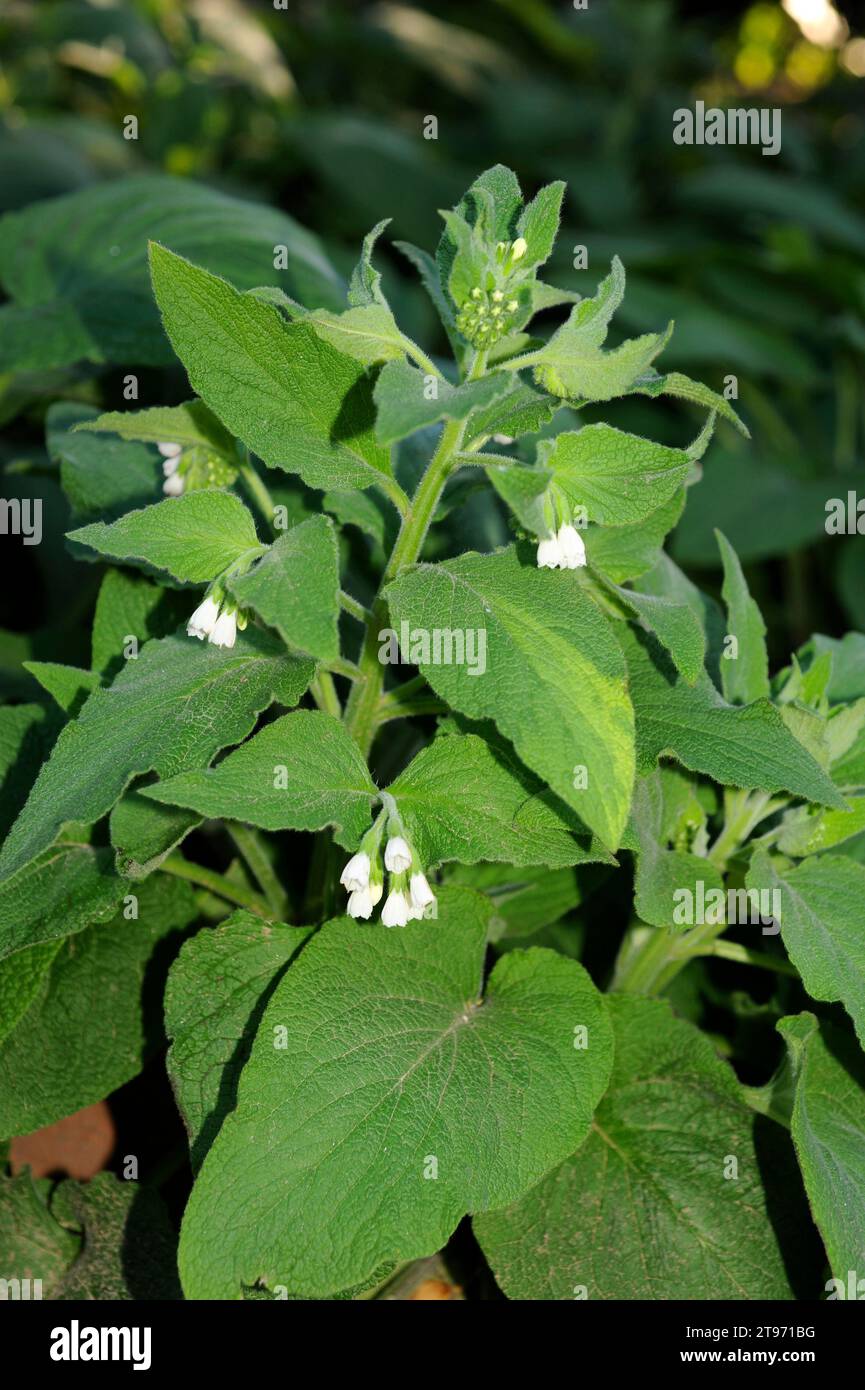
[[424, 704], [362, 711], [258, 491], [216, 883], [254, 855], [323, 691], [743, 955], [352, 607], [340, 667]]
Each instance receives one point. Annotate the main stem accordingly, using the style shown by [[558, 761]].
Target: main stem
[[362, 711]]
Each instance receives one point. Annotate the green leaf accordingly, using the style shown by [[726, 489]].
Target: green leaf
[[128, 1245], [100, 477], [526, 491], [143, 834], [35, 1245], [647, 1209], [675, 624], [294, 588], [663, 873], [191, 425], [624, 553], [369, 333], [130, 605], [828, 1126], [86, 1029], [524, 900], [745, 677], [675, 384], [97, 303], [523, 410], [591, 317], [470, 257], [302, 772], [407, 399], [847, 681], [193, 537], [618, 478], [554, 682], [820, 915], [461, 799], [539, 223], [805, 832], [172, 708], [68, 685], [666, 580], [746, 746], [495, 198], [569, 367], [27, 733], [572, 364], [216, 993], [429, 276], [365, 284], [21, 976], [359, 509], [64, 890], [426, 1073], [291, 397]]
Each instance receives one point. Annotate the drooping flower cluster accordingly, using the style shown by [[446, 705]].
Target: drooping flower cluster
[[217, 618], [410, 894], [562, 550]]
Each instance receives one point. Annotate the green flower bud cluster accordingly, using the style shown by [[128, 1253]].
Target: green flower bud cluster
[[488, 312], [202, 468], [485, 317]]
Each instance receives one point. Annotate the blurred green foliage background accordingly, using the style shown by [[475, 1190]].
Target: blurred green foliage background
[[320, 108]]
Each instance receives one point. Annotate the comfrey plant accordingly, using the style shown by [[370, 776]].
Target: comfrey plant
[[508, 997]]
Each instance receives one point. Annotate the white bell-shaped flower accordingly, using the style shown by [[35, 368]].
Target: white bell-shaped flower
[[549, 553], [355, 875], [173, 485], [397, 855], [204, 619], [571, 548], [225, 629], [362, 900], [396, 910], [421, 893]]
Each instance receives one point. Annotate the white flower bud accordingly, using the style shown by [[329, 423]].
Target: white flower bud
[[395, 912], [549, 553], [169, 451], [173, 486], [170, 466], [572, 548], [203, 620], [355, 875], [397, 855], [519, 248]]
